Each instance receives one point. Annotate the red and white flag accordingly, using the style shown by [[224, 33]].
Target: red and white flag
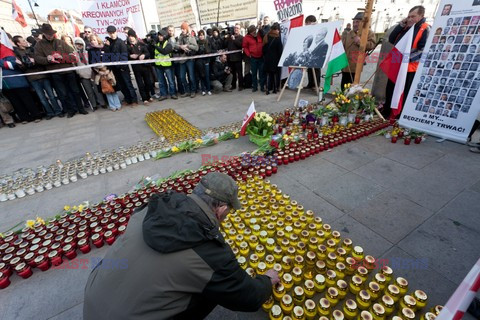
[[248, 117], [17, 14], [76, 29], [6, 49], [395, 67], [65, 18]]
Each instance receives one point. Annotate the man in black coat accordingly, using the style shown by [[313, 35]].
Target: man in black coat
[[320, 48], [116, 50], [221, 75], [234, 42]]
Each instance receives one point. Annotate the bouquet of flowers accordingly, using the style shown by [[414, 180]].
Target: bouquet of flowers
[[260, 129]]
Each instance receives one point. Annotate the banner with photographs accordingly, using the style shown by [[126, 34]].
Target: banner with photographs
[[443, 100], [309, 46], [208, 11]]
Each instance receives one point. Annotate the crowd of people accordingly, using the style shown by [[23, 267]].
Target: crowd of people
[[29, 96]]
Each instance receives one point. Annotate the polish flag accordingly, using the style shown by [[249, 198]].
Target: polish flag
[[76, 29], [17, 14], [395, 67], [65, 19], [248, 117], [6, 50]]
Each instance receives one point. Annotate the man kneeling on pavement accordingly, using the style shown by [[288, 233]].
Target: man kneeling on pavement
[[221, 75], [178, 264]]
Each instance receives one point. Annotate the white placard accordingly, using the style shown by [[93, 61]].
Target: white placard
[[443, 100]]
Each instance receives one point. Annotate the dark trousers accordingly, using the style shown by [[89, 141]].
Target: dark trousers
[[124, 82], [387, 107], [257, 68], [237, 72], [23, 103], [144, 80], [68, 91], [273, 80], [476, 124], [178, 78], [347, 78]]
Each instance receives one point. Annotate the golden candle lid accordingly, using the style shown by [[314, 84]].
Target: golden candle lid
[[323, 318], [241, 260], [250, 272], [277, 249], [362, 271], [332, 292], [311, 256], [350, 261], [365, 315], [320, 234], [287, 299], [342, 285], [322, 248], [332, 256], [402, 282], [298, 259], [375, 287], [420, 295], [408, 313], [297, 271], [277, 267], [298, 291], [409, 301], [380, 278], [341, 252], [320, 264], [347, 242], [393, 289], [386, 270], [327, 227], [285, 242], [259, 248], [287, 277], [309, 305], [437, 309], [364, 295], [243, 245], [331, 243], [304, 233], [286, 260], [291, 250], [269, 258], [429, 316], [313, 240], [253, 238], [338, 315], [351, 305], [357, 280], [331, 274], [387, 300], [270, 241], [340, 266], [309, 284], [298, 312], [320, 278], [262, 266], [324, 303], [253, 257], [279, 287], [378, 309], [301, 245], [358, 250], [276, 310], [369, 259]]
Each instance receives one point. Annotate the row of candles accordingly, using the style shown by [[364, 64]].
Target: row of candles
[[314, 263], [109, 222]]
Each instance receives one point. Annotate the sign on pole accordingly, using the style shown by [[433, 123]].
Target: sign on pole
[[287, 9], [99, 14], [443, 100], [175, 12], [230, 10]]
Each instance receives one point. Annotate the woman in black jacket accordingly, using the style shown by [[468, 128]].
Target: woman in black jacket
[[202, 65], [139, 51], [272, 51]]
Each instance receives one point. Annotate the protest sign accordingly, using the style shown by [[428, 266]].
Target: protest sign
[[285, 28], [230, 10], [99, 14], [287, 9], [174, 12], [443, 100]]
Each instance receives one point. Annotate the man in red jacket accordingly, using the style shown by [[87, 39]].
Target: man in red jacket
[[252, 47]]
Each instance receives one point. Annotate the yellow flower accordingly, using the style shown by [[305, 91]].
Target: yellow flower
[[30, 223], [66, 208], [75, 208], [40, 220], [175, 149], [80, 208], [236, 135], [199, 141]]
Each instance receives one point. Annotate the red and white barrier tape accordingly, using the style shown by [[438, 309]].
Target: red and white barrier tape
[[121, 63], [458, 303]]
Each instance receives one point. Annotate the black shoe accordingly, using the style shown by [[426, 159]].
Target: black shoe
[[262, 90], [11, 125], [61, 115], [240, 89], [174, 97], [83, 111], [48, 118], [234, 87], [70, 115], [254, 90], [163, 98], [267, 93]]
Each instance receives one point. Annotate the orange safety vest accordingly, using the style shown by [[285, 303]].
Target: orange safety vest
[[413, 66]]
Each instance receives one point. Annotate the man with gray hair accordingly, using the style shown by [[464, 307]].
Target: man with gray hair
[[176, 264], [319, 51]]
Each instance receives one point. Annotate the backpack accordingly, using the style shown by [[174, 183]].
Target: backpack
[[106, 85], [247, 81]]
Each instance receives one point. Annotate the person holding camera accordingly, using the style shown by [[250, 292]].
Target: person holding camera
[[40, 83], [221, 75], [56, 54], [187, 46]]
